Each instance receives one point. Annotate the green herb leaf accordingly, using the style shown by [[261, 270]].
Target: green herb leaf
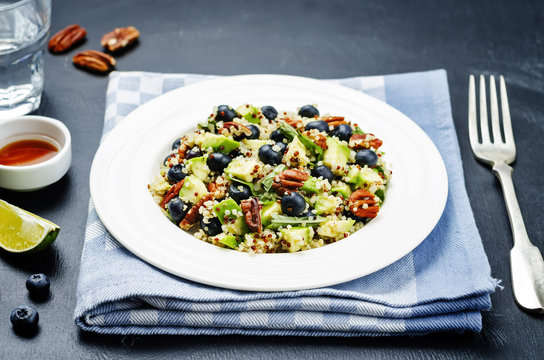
[[288, 131], [359, 131], [243, 182], [269, 179], [282, 220], [316, 150], [380, 193]]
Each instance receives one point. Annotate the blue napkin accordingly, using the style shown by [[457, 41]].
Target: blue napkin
[[443, 285]]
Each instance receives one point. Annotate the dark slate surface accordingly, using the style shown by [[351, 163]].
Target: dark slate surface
[[321, 39]]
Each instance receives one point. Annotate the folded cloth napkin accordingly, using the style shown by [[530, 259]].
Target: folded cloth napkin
[[443, 285]]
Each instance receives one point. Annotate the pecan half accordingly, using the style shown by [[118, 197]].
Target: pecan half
[[362, 203], [66, 38], [193, 214], [120, 38], [252, 213], [234, 129], [364, 141], [319, 139], [218, 190], [94, 61], [334, 120], [293, 122], [291, 179], [173, 192]]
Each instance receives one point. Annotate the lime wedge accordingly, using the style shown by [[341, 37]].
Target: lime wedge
[[21, 231]]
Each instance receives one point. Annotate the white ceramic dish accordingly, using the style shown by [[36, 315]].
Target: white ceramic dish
[[36, 176], [129, 158]]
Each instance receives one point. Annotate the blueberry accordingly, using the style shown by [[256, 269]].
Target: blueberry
[[308, 111], [255, 132], [218, 162], [235, 153], [347, 213], [176, 144], [309, 214], [319, 125], [165, 161], [269, 112], [292, 204], [212, 228], [268, 156], [177, 209], [25, 320], [225, 113], [193, 153], [322, 170], [239, 192], [175, 174], [277, 136], [366, 157], [38, 286], [282, 146], [343, 132]]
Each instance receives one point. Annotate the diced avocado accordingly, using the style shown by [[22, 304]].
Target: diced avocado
[[296, 154], [336, 156], [242, 168], [334, 228], [219, 143], [354, 177], [311, 186], [198, 167], [254, 145], [269, 209], [297, 236], [342, 189], [362, 177], [370, 176], [249, 112], [326, 205], [193, 190], [228, 240], [230, 214]]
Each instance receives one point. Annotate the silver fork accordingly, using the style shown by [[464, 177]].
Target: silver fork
[[526, 263]]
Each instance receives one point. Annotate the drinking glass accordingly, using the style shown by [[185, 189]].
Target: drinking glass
[[24, 28]]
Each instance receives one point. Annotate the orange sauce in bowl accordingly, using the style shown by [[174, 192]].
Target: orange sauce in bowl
[[27, 152]]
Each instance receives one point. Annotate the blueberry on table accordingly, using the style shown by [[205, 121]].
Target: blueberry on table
[[282, 146], [292, 204], [212, 228], [176, 144], [255, 132], [319, 125], [225, 113], [218, 162], [277, 136], [268, 156], [177, 209], [192, 154], [239, 192], [366, 157], [343, 132], [269, 112], [38, 286], [308, 111], [176, 173], [324, 171], [25, 320]]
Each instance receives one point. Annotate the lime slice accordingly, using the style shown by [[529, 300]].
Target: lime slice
[[21, 231]]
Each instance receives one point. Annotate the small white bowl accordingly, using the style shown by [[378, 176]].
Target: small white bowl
[[36, 176]]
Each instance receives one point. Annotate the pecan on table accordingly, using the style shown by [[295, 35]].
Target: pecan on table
[[252, 213], [94, 61], [362, 203], [193, 214], [173, 192], [364, 141], [289, 180], [120, 38], [66, 39], [334, 120]]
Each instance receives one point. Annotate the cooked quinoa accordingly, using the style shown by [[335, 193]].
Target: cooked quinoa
[[259, 181]]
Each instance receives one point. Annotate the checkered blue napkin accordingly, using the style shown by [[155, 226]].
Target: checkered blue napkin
[[443, 285]]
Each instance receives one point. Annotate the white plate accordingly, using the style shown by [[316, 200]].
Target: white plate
[[130, 157]]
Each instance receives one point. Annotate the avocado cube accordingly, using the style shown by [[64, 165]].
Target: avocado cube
[[269, 209], [335, 228], [249, 112], [254, 145], [219, 143], [370, 176], [193, 190], [230, 214], [198, 167], [336, 156], [243, 169], [297, 236], [311, 186], [326, 205], [228, 240], [354, 177], [342, 189], [296, 154]]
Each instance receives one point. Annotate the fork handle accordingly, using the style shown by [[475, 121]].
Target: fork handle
[[527, 265]]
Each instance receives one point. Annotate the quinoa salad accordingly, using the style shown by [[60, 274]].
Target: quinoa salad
[[259, 181]]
